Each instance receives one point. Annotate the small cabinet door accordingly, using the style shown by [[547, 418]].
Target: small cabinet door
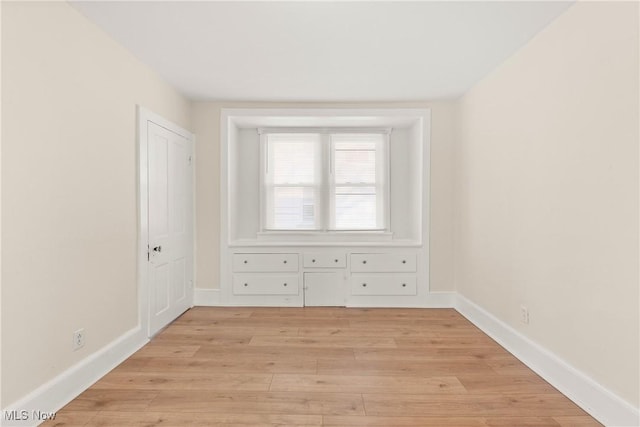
[[324, 289]]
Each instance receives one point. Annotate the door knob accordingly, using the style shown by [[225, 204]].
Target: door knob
[[157, 249]]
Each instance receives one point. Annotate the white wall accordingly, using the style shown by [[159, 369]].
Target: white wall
[[68, 188], [206, 126], [547, 192]]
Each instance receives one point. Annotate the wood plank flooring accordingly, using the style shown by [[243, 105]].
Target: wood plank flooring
[[244, 367]]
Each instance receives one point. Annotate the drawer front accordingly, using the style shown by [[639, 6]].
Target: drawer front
[[383, 284], [265, 262], [265, 284], [383, 262], [325, 260]]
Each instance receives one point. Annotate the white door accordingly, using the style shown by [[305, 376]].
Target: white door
[[170, 207]]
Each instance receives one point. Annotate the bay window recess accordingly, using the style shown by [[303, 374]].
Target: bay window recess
[[324, 181]]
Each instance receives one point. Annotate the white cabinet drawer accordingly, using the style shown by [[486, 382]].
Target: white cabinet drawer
[[383, 262], [324, 260], [265, 262], [383, 284], [265, 284]]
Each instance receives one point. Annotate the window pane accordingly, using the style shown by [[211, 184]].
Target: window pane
[[355, 166], [357, 170], [356, 141], [294, 208], [356, 208], [342, 143], [356, 211], [293, 159]]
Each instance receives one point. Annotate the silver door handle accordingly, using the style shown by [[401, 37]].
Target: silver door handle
[[157, 249]]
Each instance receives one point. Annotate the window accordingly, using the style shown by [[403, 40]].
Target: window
[[324, 181], [293, 180]]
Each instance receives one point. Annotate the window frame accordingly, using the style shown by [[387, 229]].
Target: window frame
[[326, 220], [267, 186], [381, 184]]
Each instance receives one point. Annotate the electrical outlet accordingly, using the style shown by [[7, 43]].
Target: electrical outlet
[[524, 314], [78, 339]]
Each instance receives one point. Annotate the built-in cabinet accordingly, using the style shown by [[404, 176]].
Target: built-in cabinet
[[328, 277], [378, 268]]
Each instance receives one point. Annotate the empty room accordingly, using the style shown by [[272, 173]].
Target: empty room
[[320, 213]]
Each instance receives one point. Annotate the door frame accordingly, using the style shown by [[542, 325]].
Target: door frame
[[144, 116]]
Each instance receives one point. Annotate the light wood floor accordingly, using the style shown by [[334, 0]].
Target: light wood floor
[[322, 367]]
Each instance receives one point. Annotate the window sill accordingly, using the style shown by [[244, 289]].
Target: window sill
[[325, 236], [315, 238]]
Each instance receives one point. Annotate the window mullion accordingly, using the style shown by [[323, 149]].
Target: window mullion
[[326, 202], [385, 183], [265, 208]]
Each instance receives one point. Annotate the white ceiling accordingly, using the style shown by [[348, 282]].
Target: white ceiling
[[322, 51]]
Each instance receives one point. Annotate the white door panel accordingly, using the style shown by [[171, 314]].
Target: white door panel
[[170, 231], [179, 289], [160, 280]]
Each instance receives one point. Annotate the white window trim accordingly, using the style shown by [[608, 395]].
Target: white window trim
[[417, 120], [326, 201]]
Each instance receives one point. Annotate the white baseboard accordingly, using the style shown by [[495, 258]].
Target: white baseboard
[[53, 395], [206, 297], [599, 402]]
